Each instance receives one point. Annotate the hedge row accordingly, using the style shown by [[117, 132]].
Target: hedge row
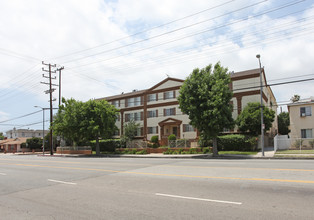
[[108, 145], [237, 142]]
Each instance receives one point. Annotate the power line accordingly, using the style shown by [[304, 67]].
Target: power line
[[144, 31], [20, 116], [195, 34], [169, 32]]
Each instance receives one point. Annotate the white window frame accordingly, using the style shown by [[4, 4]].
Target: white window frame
[[152, 114], [305, 111], [169, 95], [152, 97], [169, 111], [152, 130], [306, 133]]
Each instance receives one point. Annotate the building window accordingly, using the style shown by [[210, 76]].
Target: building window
[[116, 103], [152, 130], [305, 111], [169, 111], [169, 95], [306, 133], [136, 101], [188, 128], [136, 116], [23, 134], [152, 114], [118, 117], [139, 132], [152, 97]]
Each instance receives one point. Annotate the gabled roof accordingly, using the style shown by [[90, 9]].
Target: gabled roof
[[139, 92], [165, 80], [169, 120]]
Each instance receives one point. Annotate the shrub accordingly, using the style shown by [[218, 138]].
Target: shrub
[[236, 142], [154, 139], [108, 145], [172, 137], [311, 143], [206, 150], [34, 143], [298, 143], [141, 152], [204, 143]]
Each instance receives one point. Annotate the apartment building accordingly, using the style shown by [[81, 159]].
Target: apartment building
[[23, 133], [301, 118], [157, 109]]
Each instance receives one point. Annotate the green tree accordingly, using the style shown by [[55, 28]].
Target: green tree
[[130, 131], [250, 118], [99, 121], [283, 123], [85, 121], [34, 143], [1, 136], [67, 122], [295, 98], [205, 97]]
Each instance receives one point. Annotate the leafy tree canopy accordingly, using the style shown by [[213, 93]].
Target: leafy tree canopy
[[283, 123], [34, 143], [1, 136], [130, 130], [250, 118], [295, 98], [205, 97], [85, 121]]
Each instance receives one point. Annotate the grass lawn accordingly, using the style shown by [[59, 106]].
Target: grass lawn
[[295, 152], [238, 152], [293, 156]]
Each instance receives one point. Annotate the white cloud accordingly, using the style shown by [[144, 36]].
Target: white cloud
[[49, 29]]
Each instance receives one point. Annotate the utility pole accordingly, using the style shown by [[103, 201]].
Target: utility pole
[[261, 92], [59, 69], [50, 91]]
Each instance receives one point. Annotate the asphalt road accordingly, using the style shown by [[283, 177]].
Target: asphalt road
[[33, 187]]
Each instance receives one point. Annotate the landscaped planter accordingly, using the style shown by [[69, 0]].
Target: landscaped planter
[[159, 150], [74, 150]]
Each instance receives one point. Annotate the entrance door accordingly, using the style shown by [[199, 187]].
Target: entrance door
[[175, 131]]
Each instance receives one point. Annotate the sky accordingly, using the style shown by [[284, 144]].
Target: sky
[[115, 46]]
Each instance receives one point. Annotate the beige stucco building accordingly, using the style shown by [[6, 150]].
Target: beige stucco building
[[301, 118], [157, 109]]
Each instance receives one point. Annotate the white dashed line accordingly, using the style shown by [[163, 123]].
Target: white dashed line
[[58, 181], [199, 199], [3, 174]]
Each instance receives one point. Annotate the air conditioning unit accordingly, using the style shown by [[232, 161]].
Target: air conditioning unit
[[302, 114]]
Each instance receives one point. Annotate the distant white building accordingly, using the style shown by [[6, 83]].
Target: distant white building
[[23, 133]]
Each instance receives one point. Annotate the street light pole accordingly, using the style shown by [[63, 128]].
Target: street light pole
[[43, 109], [262, 116]]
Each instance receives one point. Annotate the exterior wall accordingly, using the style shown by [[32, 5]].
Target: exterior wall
[[239, 101], [168, 84], [297, 122], [21, 133]]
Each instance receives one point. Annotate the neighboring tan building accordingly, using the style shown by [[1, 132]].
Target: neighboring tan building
[[21, 133], [301, 118], [12, 144], [157, 109]]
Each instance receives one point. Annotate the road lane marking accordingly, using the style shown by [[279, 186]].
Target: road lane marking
[[161, 165], [3, 174], [58, 181], [199, 199], [164, 174]]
